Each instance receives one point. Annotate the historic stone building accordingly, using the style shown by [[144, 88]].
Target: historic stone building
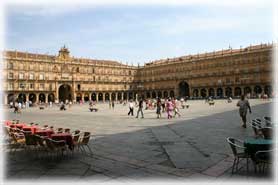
[[46, 78]]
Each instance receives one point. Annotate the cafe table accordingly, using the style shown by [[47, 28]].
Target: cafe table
[[45, 132], [64, 136], [253, 145]]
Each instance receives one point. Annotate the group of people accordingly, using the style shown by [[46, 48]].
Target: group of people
[[170, 106]]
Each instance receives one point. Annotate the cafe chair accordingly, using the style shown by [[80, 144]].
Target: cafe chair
[[238, 152], [84, 142], [267, 121], [60, 130], [263, 159], [56, 146], [267, 132], [67, 130]]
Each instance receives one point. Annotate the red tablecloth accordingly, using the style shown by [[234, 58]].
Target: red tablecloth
[[64, 136], [33, 129], [18, 125], [7, 122], [47, 132]]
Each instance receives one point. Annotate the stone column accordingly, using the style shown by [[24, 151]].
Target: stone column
[[46, 97], [110, 96], [57, 91], [116, 98], [27, 97], [97, 96], [37, 98]]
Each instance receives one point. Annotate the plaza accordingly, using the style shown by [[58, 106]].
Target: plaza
[[192, 147]]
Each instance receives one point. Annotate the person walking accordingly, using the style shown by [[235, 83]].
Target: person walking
[[140, 108], [169, 108], [113, 104], [131, 106], [243, 105], [158, 108]]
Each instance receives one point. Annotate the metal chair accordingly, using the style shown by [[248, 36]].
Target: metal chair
[[237, 145], [84, 141], [263, 159], [267, 132]]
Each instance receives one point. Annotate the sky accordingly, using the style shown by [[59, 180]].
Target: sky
[[137, 32]]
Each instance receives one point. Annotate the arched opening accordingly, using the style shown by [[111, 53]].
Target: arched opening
[[78, 97], [51, 97], [107, 98], [130, 95], [65, 93], [247, 90], [196, 93], [153, 94], [41, 98], [228, 92], [22, 98], [10, 98], [172, 94], [203, 93], [93, 97], [148, 94], [159, 94], [268, 90], [125, 96], [100, 97], [165, 94], [113, 96], [32, 98], [219, 92], [184, 89], [86, 97], [237, 91], [211, 92], [119, 96], [258, 90]]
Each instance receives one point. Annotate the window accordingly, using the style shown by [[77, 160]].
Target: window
[[31, 67], [31, 86], [10, 76], [31, 76], [10, 65], [21, 76], [42, 86], [21, 66], [10, 86], [93, 70], [21, 85], [41, 67], [41, 77], [77, 69], [78, 87], [50, 87]]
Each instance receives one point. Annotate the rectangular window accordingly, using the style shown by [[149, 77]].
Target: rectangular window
[[31, 76], [10, 86], [41, 86], [10, 65], [31, 67], [21, 66], [31, 86], [21, 85], [41, 67], [41, 77], [10, 76], [21, 76]]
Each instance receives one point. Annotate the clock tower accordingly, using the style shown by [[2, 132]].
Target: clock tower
[[64, 53]]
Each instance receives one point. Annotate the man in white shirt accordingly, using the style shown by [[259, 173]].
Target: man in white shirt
[[131, 107]]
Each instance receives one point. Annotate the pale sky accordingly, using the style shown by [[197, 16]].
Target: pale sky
[[137, 32]]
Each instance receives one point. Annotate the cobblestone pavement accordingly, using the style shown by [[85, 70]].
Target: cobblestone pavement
[[189, 148]]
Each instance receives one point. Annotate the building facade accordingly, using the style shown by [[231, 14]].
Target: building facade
[[45, 78]]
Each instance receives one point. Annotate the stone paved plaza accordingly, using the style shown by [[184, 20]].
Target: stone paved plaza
[[187, 148]]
